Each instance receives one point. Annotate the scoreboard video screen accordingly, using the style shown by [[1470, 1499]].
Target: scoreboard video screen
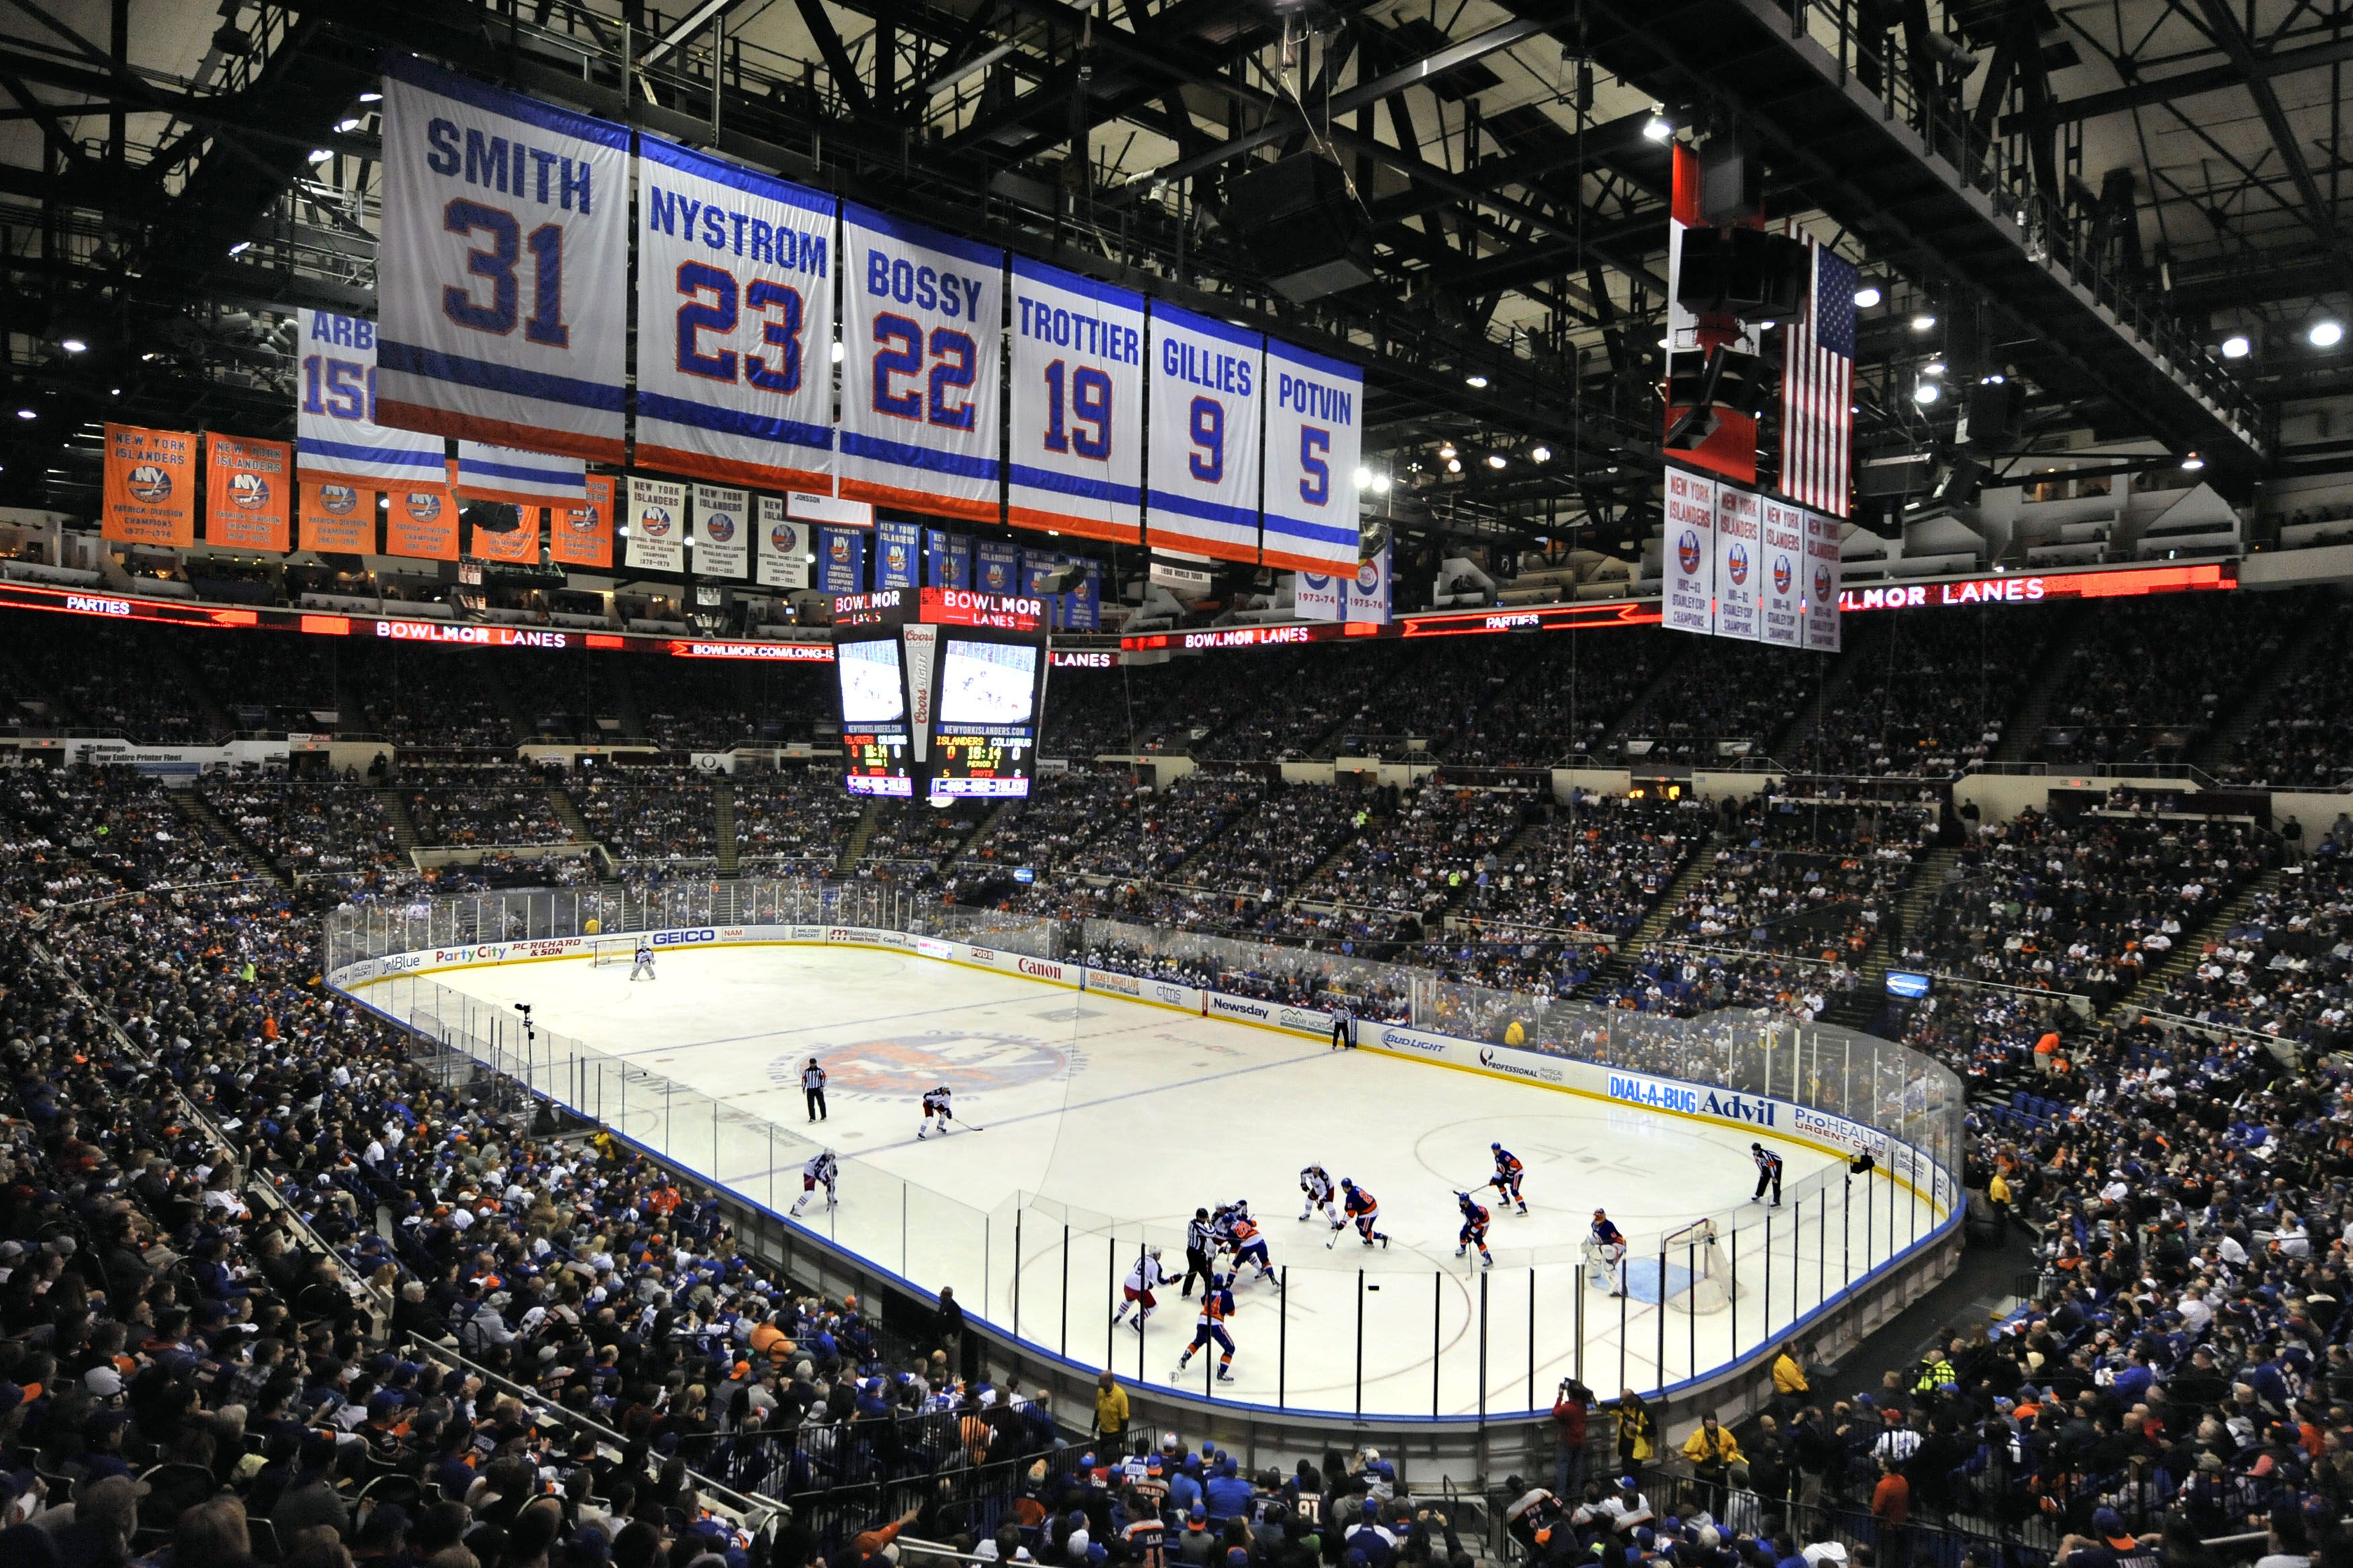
[[877, 742], [984, 730]]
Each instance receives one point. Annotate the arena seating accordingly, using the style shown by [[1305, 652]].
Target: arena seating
[[308, 829], [1933, 697], [644, 814], [1803, 877], [2147, 680], [465, 807]]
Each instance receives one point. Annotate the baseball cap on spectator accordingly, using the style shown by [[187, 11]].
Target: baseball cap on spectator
[[2109, 1526], [1237, 1557], [1198, 1518], [103, 1381]]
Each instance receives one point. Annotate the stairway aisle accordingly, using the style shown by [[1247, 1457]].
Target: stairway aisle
[[722, 809], [197, 809], [2190, 947], [1655, 923], [2021, 732]]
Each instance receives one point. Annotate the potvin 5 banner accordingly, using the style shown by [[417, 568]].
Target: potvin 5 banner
[[734, 323], [1076, 451], [1313, 446], [502, 272], [922, 333]]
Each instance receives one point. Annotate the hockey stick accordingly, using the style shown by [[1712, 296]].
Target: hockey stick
[[967, 1126]]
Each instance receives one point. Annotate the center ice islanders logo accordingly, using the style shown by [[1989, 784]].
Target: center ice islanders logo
[[654, 521], [249, 492], [424, 506], [1735, 562], [1687, 552], [149, 484], [338, 499], [719, 528], [902, 1067], [1823, 584], [1782, 575]]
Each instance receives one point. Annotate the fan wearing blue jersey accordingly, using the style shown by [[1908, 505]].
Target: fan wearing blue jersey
[[1508, 1173]]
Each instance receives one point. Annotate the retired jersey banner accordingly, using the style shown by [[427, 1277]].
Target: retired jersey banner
[[502, 272], [1737, 546], [947, 558], [335, 433], [1201, 477], [1075, 458], [1689, 544], [657, 525], [582, 535], [723, 546], [922, 323], [336, 518], [1315, 443], [898, 552], [841, 561], [734, 323], [518, 478], [517, 545], [1781, 532], [1824, 538], [249, 493], [781, 555], [422, 522], [996, 567], [151, 486]]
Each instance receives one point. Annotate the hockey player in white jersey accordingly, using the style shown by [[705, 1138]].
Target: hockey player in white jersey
[[641, 966], [1137, 1292], [821, 1169], [1316, 1183], [936, 1113]]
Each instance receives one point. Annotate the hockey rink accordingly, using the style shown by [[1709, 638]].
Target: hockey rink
[[1090, 1126]]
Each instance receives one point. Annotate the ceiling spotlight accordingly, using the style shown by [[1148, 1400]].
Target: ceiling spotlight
[[1927, 392], [2236, 346], [838, 352], [74, 346], [1363, 479], [1658, 128], [148, 358], [1662, 343], [1453, 465], [1474, 380], [370, 98], [1992, 378], [347, 125], [1934, 367], [114, 392], [1494, 460], [1380, 484], [240, 247], [320, 154], [1446, 448], [1540, 453], [2192, 463], [1866, 296], [1923, 322], [29, 413], [2326, 334]]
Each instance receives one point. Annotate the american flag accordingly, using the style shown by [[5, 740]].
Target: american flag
[[1818, 391]]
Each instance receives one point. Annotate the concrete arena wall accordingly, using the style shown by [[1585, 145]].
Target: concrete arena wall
[[1460, 1448]]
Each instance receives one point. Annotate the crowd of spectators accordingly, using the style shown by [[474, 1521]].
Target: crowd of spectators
[[1803, 876], [1425, 854], [2284, 969], [485, 807], [1934, 699], [1687, 981], [305, 828], [795, 822], [660, 813], [131, 685], [2148, 682], [438, 698], [1559, 698], [1718, 698], [2296, 741], [82, 833], [270, 683]]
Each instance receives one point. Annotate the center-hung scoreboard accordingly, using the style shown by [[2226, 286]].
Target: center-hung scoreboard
[[942, 692]]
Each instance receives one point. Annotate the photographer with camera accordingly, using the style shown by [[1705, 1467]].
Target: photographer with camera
[[1570, 1408]]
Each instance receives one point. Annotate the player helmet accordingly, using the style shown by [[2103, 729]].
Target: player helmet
[[1601, 1214], [1498, 1147], [1155, 1253], [1347, 1183], [1241, 1205], [1756, 1147]]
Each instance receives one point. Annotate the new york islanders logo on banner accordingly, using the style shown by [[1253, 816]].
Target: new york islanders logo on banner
[[338, 499], [1735, 560], [784, 539], [1368, 577], [1687, 552], [656, 521], [579, 521], [719, 528], [1823, 584], [422, 505], [839, 548], [150, 484], [249, 492], [894, 557], [1782, 575], [997, 577]]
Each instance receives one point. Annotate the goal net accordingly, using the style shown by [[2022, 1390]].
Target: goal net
[[606, 951], [1697, 1276]]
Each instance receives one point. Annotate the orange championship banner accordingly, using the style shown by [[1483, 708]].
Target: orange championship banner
[[422, 522], [519, 544], [246, 503], [151, 486], [583, 536], [337, 518]]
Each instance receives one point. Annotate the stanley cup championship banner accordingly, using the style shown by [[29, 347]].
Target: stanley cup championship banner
[[1782, 550], [151, 486], [248, 499], [503, 267], [721, 545], [1824, 536], [782, 547], [922, 317], [335, 518], [734, 323], [1075, 456], [657, 525], [335, 429], [1313, 446], [582, 535], [1736, 549], [1202, 474], [1688, 544]]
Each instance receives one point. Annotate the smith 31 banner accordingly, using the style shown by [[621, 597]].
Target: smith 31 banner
[[1313, 444], [1824, 536], [1202, 476], [898, 550], [582, 535], [151, 486], [656, 524], [783, 550], [734, 323], [502, 273], [422, 521], [1736, 549], [947, 558], [249, 492], [1782, 528], [335, 433], [721, 521], [1076, 454], [1689, 543], [922, 317], [519, 478], [336, 518]]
